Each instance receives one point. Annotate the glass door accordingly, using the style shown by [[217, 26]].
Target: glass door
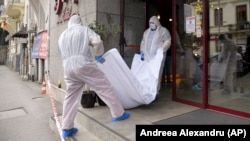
[[228, 50], [188, 50], [212, 64]]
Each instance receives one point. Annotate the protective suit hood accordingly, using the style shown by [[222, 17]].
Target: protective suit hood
[[75, 20], [155, 20]]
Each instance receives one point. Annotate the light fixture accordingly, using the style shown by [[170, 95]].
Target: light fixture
[[159, 17]]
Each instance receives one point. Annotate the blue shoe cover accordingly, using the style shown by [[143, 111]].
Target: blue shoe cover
[[196, 87], [67, 133], [123, 117]]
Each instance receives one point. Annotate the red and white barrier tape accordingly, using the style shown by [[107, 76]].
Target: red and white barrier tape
[[58, 123]]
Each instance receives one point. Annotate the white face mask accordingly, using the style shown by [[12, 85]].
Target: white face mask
[[152, 26]]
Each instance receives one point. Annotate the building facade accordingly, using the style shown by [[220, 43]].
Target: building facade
[[35, 26]]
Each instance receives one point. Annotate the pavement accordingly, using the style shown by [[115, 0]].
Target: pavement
[[27, 115], [24, 112]]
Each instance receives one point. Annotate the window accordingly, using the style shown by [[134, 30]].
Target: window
[[241, 16], [218, 17]]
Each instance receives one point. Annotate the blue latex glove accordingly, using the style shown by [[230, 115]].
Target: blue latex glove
[[99, 59], [142, 56]]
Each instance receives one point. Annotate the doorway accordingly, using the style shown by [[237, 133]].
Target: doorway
[[163, 10], [184, 58]]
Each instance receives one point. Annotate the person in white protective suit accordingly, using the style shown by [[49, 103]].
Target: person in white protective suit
[[228, 56], [156, 39], [80, 68]]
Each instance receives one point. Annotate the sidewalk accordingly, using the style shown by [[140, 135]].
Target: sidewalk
[[25, 113]]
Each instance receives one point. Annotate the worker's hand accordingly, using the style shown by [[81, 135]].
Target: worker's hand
[[99, 59], [142, 56]]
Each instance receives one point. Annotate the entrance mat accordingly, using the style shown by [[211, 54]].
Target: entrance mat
[[203, 116]]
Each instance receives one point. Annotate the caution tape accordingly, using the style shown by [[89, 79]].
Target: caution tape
[[58, 123]]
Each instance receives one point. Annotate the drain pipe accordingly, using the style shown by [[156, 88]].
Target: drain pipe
[[48, 39], [122, 39]]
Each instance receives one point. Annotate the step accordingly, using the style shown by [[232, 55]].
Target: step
[[98, 121], [96, 127], [82, 134]]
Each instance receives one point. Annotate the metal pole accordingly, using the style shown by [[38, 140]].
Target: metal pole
[[122, 9], [48, 37], [219, 22]]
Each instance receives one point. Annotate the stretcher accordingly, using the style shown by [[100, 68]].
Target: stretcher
[[132, 87]]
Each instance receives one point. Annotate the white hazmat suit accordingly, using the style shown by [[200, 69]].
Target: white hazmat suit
[[155, 41], [80, 68], [228, 56]]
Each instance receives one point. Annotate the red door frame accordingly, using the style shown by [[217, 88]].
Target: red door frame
[[205, 42]]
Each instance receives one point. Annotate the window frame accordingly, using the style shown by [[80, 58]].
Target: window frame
[[218, 13]]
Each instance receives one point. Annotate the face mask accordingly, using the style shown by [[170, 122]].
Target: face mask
[[152, 26]]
